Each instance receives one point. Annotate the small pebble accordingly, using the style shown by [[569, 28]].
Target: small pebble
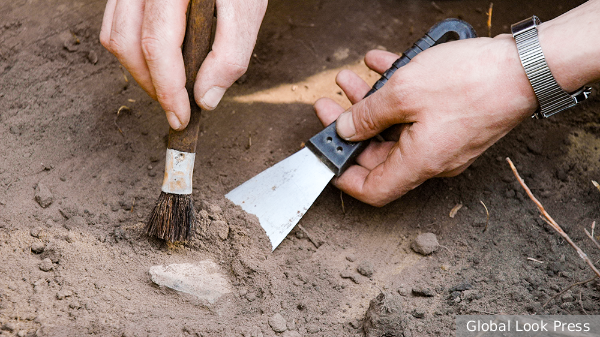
[[38, 247], [43, 195], [278, 323], [418, 313], [92, 57], [35, 232], [425, 244], [46, 265], [422, 292], [351, 258], [366, 268]]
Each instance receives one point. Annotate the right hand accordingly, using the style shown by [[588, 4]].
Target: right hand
[[146, 36]]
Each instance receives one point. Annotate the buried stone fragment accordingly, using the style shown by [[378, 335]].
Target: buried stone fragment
[[203, 280]]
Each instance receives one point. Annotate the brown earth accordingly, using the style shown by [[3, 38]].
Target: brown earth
[[61, 136]]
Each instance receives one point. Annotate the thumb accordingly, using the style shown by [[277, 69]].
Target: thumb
[[372, 115]]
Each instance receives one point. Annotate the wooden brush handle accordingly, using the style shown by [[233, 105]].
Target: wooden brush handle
[[196, 46]]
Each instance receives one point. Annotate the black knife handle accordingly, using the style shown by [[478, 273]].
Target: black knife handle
[[337, 153]]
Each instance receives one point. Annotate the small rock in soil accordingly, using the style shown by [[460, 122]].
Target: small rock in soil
[[351, 258], [203, 280], [384, 317], [348, 274], [221, 228], [365, 268], [425, 244], [63, 294], [43, 196], [403, 291], [38, 247], [8, 327], [46, 265], [278, 323], [92, 57], [418, 313], [291, 325], [35, 232], [461, 287], [422, 292]]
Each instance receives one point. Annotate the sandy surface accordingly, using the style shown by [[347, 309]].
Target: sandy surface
[[80, 265]]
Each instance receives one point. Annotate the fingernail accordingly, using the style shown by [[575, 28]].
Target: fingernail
[[345, 125], [173, 120], [212, 97]]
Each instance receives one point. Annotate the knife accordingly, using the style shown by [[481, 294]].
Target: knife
[[283, 193]]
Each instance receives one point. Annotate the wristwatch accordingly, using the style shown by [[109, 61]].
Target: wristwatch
[[551, 97]]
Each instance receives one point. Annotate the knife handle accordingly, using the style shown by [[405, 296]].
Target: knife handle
[[337, 153]]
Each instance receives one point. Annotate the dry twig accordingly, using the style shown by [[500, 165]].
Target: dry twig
[[567, 288], [551, 221], [123, 108], [487, 213], [342, 199], [489, 20]]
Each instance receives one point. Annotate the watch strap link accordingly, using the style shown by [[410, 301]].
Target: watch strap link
[[551, 97]]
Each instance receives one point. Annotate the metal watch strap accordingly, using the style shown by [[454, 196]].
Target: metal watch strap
[[551, 97]]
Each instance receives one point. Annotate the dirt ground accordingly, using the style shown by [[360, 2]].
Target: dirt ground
[[99, 174]]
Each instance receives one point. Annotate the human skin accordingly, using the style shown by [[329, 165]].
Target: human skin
[[451, 103], [146, 36]]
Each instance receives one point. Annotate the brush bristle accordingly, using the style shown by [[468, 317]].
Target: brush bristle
[[172, 218]]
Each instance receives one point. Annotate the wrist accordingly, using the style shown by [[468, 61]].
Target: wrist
[[515, 77]]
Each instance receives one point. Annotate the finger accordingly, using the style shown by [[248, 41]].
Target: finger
[[238, 22], [401, 172], [354, 87], [124, 41], [163, 30], [375, 113], [327, 110], [107, 20], [379, 60], [374, 154]]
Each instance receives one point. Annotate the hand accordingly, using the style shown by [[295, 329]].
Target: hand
[[442, 110], [146, 36]]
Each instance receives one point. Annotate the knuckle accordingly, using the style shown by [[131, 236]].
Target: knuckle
[[116, 43], [234, 68], [367, 119], [151, 47]]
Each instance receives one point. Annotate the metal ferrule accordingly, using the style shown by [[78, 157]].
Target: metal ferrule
[[179, 167]]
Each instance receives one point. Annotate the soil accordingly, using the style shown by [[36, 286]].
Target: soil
[[79, 265]]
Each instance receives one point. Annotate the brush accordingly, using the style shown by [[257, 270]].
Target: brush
[[173, 216]]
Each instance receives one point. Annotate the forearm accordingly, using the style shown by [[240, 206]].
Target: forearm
[[571, 45]]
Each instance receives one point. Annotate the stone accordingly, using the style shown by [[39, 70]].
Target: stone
[[203, 280], [92, 57], [221, 228], [384, 317], [461, 287], [422, 292], [46, 265], [351, 257], [36, 232], [10, 327], [291, 325], [71, 237], [38, 247], [418, 313], [62, 294], [277, 323], [425, 244], [291, 334], [365, 268], [350, 275], [43, 195]]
